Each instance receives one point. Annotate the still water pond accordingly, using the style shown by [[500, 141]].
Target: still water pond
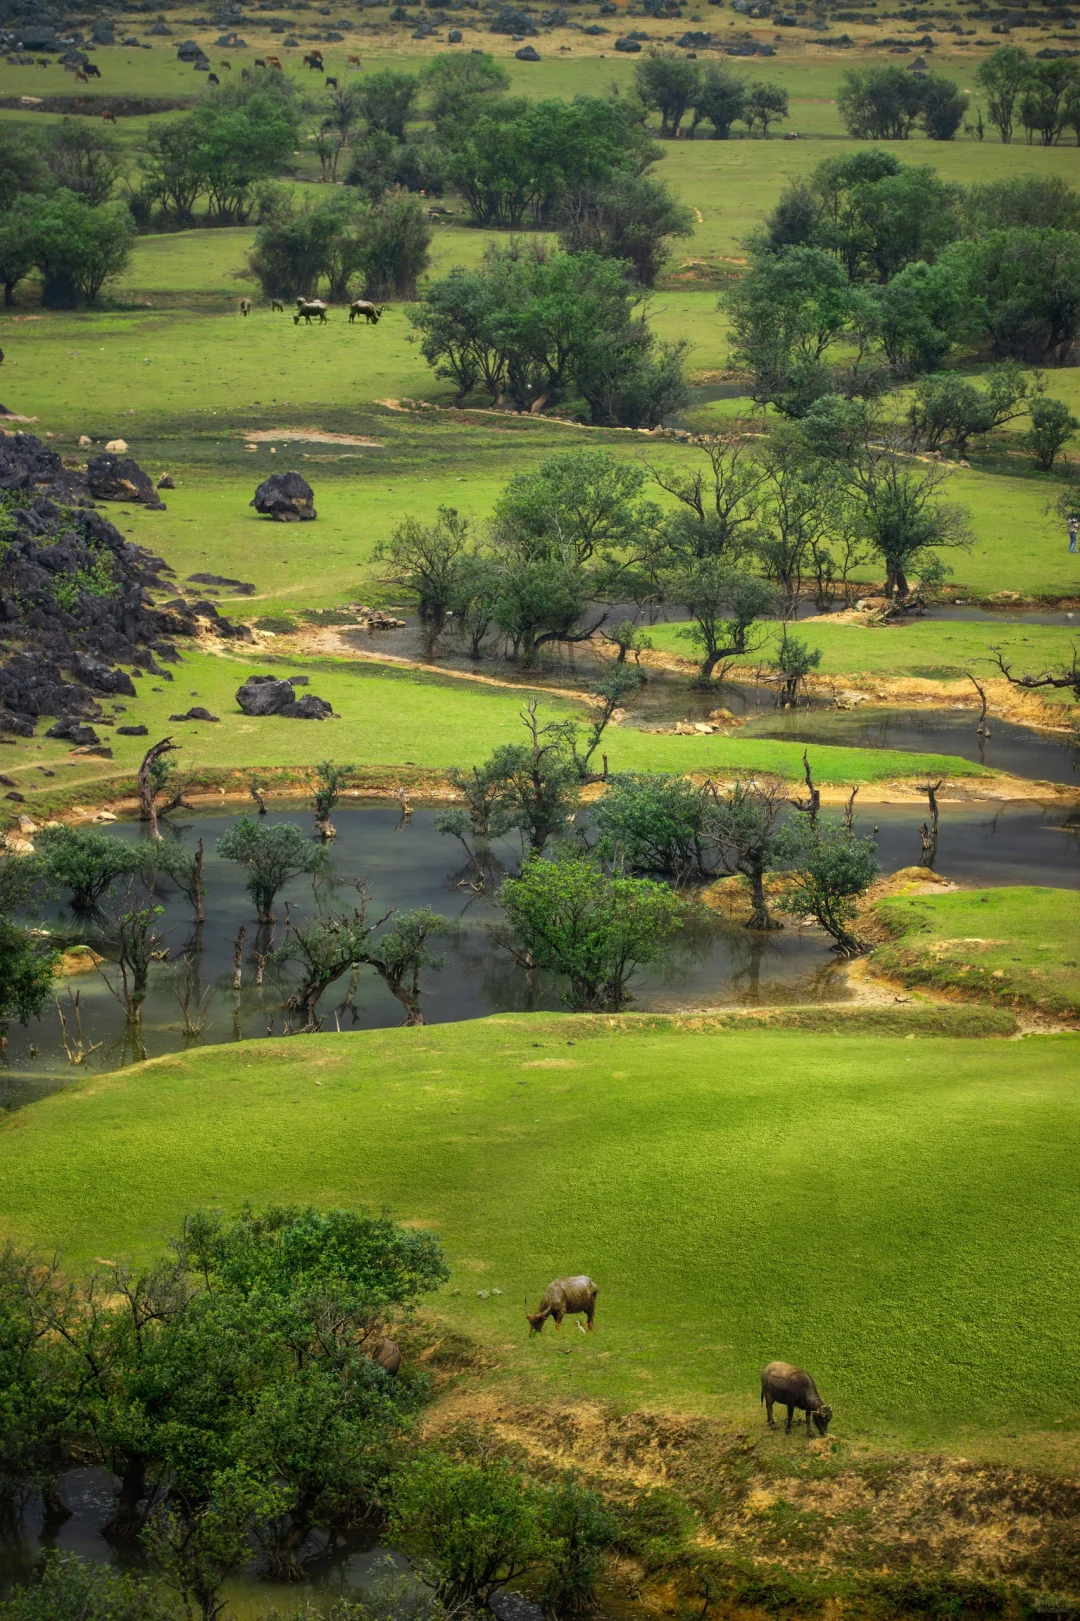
[[412, 865]]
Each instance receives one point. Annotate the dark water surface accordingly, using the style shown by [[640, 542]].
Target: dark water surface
[[411, 865]]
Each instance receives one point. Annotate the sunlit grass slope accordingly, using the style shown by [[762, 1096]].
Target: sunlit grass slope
[[897, 1215]]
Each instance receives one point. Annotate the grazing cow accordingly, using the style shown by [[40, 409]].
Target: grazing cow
[[314, 60], [352, 61], [212, 78], [794, 1389], [364, 307], [93, 71], [388, 1355], [331, 84], [245, 306], [43, 61], [277, 306], [565, 1296], [80, 76], [108, 116], [244, 74], [259, 63], [273, 62], [308, 307], [226, 65]]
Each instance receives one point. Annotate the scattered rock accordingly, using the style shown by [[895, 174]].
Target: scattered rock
[[75, 732], [628, 45], [166, 482], [93, 673], [195, 713], [308, 708], [131, 731], [85, 440], [117, 447], [266, 695], [15, 797], [527, 54], [114, 477], [286, 497]]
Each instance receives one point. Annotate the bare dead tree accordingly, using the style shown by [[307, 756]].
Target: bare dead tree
[[929, 833], [255, 790], [811, 805], [849, 811], [138, 947], [149, 788], [194, 1002], [79, 1049], [1067, 680], [238, 958], [983, 728]]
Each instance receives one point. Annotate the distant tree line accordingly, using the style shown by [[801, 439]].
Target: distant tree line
[[888, 103]]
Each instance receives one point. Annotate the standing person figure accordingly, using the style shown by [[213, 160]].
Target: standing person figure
[[1074, 530]]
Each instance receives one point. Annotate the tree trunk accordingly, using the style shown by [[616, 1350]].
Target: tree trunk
[[759, 911], [128, 1519], [147, 810], [197, 892]]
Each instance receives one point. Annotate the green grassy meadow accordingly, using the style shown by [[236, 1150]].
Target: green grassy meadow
[[1017, 946], [399, 721], [899, 1215]]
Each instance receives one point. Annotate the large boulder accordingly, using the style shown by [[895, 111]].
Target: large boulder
[[76, 732], [286, 497], [120, 478], [94, 673], [266, 695]]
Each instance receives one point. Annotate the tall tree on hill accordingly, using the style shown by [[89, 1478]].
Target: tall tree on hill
[[1004, 75]]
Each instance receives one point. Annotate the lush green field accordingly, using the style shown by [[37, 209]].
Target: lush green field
[[896, 1216], [399, 719], [920, 647], [1015, 945]]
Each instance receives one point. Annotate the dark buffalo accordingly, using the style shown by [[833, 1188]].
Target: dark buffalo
[[388, 1355], [566, 1296], [309, 309], [794, 1389], [364, 307]]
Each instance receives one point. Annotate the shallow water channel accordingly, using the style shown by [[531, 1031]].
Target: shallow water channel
[[407, 865]]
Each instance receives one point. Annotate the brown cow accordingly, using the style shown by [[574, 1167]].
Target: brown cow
[[794, 1389], [273, 62], [364, 307], [108, 116], [565, 1296], [226, 65], [352, 61], [80, 77], [388, 1355]]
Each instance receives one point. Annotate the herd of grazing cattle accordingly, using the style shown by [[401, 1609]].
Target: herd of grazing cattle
[[781, 1384], [314, 309]]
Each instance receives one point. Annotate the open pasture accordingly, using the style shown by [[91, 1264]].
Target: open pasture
[[851, 1203]]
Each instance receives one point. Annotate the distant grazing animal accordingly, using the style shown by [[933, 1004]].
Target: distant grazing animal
[[43, 61], [794, 1389], [226, 65], [364, 307], [331, 84], [80, 76], [245, 306], [314, 60], [565, 1295], [388, 1355], [212, 78], [93, 71], [277, 306], [309, 307], [352, 61], [273, 61], [259, 63], [108, 116]]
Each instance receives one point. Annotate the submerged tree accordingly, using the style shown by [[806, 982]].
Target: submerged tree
[[330, 782], [833, 868], [272, 854]]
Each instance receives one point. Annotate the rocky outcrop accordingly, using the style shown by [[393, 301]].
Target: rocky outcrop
[[286, 497], [120, 478], [266, 695]]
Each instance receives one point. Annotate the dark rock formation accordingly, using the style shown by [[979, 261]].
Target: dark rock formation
[[120, 478], [131, 731], [527, 54], [197, 712], [286, 497], [266, 695], [93, 673], [75, 732]]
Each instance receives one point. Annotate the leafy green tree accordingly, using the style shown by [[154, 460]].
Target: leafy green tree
[[1003, 75], [401, 953], [949, 410], [477, 581], [920, 316], [67, 1588], [1048, 98], [833, 868], [424, 562], [1052, 425], [899, 515], [629, 217], [17, 248], [172, 172], [38, 1401], [198, 1544], [86, 862], [794, 661], [718, 510], [582, 1529], [185, 868], [658, 823], [585, 502], [394, 248], [944, 107], [1047, 202], [26, 976], [720, 100], [1021, 289], [386, 100], [23, 166], [85, 160], [272, 855], [746, 826], [879, 103], [459, 86], [786, 312], [668, 84], [297, 244], [591, 929], [330, 783], [481, 1523], [77, 247], [237, 146], [766, 104]]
